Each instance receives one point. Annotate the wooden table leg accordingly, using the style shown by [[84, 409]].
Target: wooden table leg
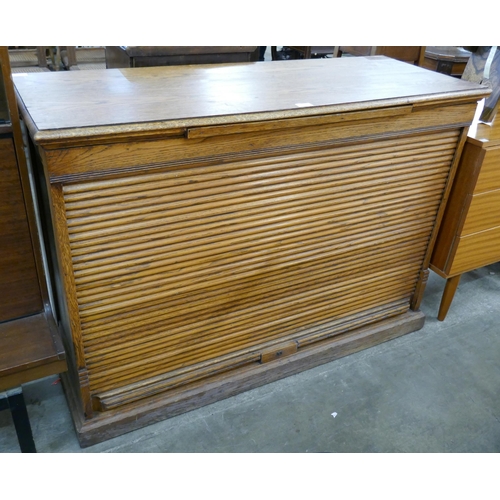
[[448, 294], [14, 400]]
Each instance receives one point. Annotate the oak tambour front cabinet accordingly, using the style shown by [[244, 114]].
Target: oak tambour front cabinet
[[217, 227]]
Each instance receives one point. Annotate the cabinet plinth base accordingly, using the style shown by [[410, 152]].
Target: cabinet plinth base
[[114, 423]]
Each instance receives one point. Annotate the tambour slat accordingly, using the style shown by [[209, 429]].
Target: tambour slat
[[188, 231], [123, 293], [257, 189], [146, 266], [257, 269], [213, 225], [318, 331], [224, 211], [154, 317], [141, 371], [412, 144], [235, 266], [342, 173], [247, 243], [239, 315], [138, 274], [83, 268], [220, 183], [176, 331], [185, 341], [162, 382], [317, 314], [195, 267], [205, 304]]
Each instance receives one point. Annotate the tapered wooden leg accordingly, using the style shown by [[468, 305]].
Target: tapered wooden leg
[[448, 294]]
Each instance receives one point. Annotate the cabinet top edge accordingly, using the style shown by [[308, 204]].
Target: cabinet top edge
[[79, 103]]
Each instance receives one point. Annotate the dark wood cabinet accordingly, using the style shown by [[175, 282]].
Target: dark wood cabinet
[[19, 286], [20, 279], [218, 227], [143, 56], [30, 346]]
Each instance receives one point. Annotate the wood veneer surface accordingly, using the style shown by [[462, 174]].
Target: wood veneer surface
[[225, 93], [489, 177], [19, 289], [469, 230], [251, 227], [30, 348], [476, 250], [240, 256]]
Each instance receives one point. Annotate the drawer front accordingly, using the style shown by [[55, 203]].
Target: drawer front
[[476, 250], [189, 271], [489, 177], [484, 213]]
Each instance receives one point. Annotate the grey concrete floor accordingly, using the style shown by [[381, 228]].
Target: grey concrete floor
[[434, 391]]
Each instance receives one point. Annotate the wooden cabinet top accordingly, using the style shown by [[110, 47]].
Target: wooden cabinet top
[[79, 103]]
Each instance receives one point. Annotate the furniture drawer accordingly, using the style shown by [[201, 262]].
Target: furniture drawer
[[484, 213], [476, 250], [489, 177]]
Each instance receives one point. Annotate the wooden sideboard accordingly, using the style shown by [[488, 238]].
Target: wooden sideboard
[[469, 237], [143, 56], [215, 228]]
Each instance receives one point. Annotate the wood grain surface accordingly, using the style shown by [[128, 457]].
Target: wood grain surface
[[218, 222], [227, 93], [157, 407], [238, 257], [476, 250], [489, 177], [30, 348], [19, 287], [470, 232], [484, 212]]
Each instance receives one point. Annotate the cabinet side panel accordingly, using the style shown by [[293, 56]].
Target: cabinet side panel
[[456, 207]]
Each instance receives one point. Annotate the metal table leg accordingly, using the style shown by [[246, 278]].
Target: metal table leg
[[13, 399]]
